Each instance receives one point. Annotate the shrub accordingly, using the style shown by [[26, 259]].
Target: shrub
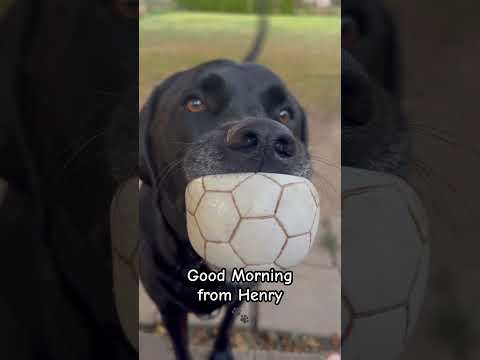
[[287, 6], [236, 6]]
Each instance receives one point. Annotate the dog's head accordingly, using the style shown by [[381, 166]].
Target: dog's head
[[374, 132], [220, 117]]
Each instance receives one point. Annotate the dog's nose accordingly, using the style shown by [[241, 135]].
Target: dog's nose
[[284, 146], [243, 138], [249, 135]]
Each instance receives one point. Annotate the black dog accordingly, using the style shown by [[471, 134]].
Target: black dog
[[374, 131], [58, 103], [219, 117]]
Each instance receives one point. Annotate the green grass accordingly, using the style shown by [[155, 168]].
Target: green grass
[[303, 50]]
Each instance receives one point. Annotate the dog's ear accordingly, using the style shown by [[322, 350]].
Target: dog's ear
[[304, 127], [146, 117]]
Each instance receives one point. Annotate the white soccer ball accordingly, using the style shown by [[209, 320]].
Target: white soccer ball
[[255, 221], [385, 260]]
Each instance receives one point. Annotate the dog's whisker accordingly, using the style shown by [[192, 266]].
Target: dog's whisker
[[433, 178], [437, 204], [180, 142], [57, 178], [424, 176], [169, 170], [326, 185], [420, 164], [82, 148], [442, 136], [324, 162], [80, 141]]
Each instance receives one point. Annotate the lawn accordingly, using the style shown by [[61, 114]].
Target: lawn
[[303, 50]]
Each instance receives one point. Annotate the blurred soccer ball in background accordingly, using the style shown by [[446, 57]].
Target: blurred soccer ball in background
[[385, 260]]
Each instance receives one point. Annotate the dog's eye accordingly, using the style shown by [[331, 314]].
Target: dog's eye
[[195, 105], [284, 116]]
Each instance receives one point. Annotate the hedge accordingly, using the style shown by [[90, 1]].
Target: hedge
[[236, 6]]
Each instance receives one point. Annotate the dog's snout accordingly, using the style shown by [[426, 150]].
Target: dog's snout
[[266, 135]]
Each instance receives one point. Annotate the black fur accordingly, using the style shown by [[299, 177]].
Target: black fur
[[66, 66], [374, 131]]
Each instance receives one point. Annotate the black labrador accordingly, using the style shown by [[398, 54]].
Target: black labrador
[[65, 68], [374, 130], [219, 117]]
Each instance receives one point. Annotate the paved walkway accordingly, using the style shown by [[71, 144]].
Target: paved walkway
[[151, 346], [310, 306]]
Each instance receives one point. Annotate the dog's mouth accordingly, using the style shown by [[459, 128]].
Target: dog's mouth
[[255, 145]]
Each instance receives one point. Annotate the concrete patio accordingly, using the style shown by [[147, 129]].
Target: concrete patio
[[151, 346], [310, 306]]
